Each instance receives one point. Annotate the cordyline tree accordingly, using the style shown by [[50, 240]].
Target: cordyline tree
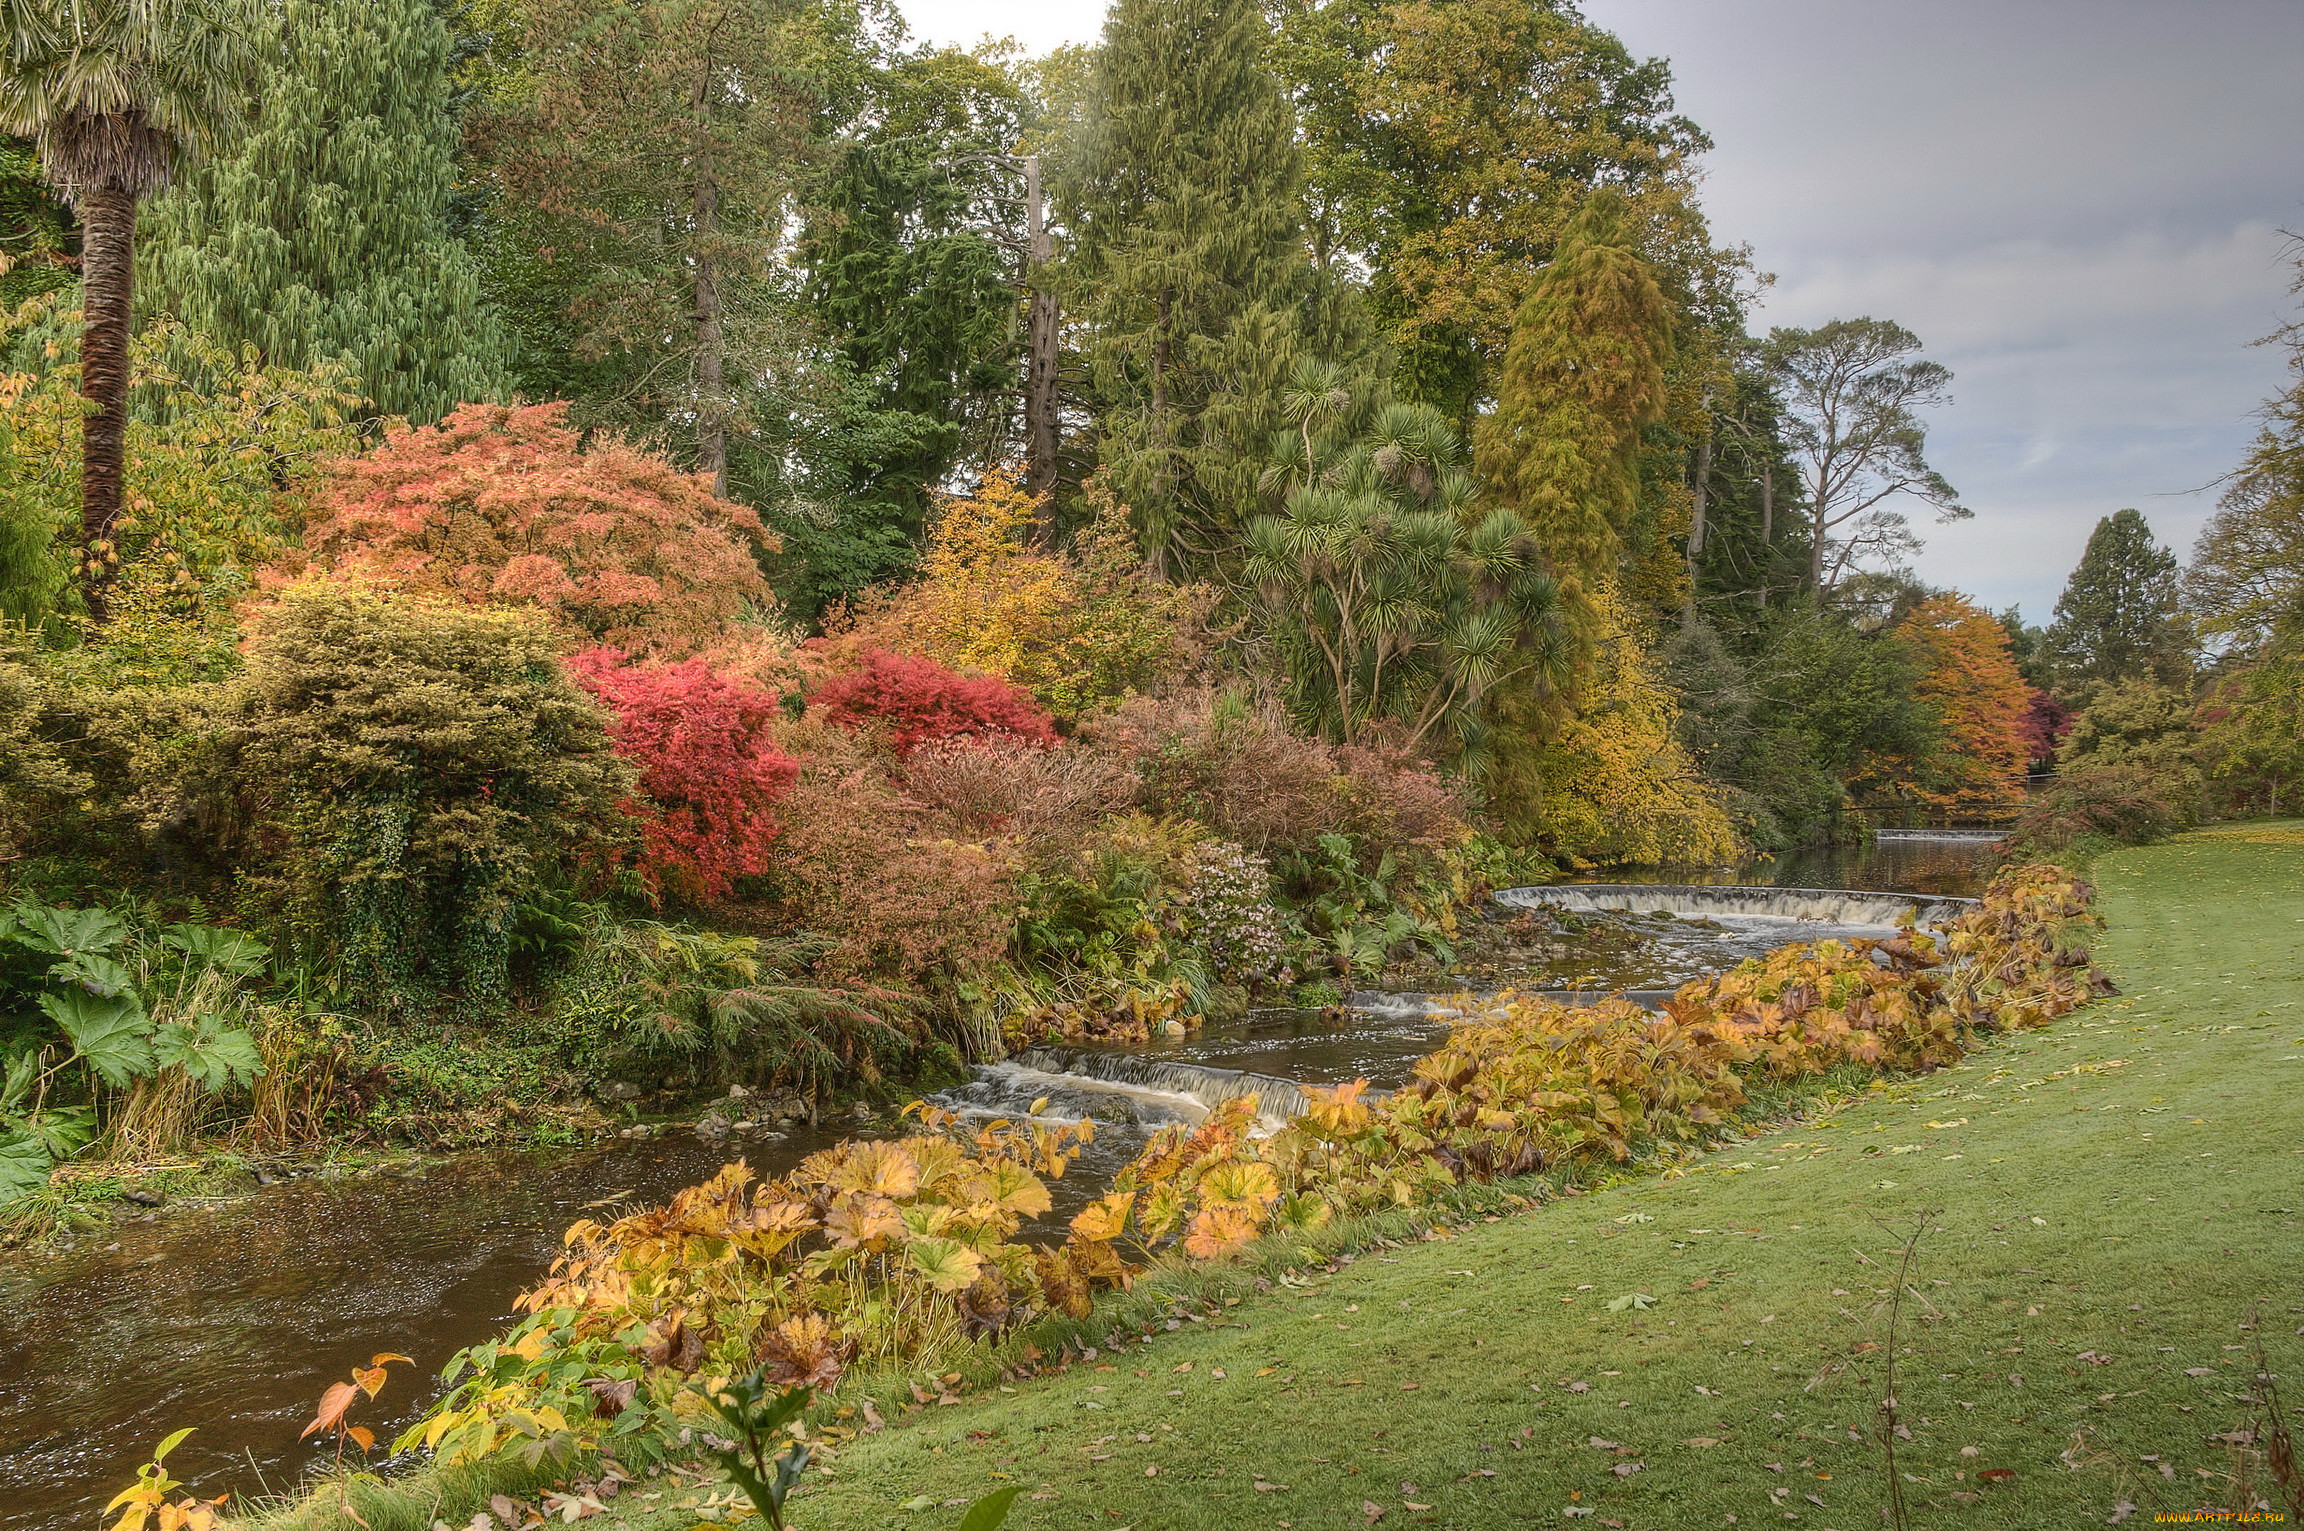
[[1184, 208], [497, 504], [323, 232], [1968, 674], [1394, 600], [641, 169], [119, 94]]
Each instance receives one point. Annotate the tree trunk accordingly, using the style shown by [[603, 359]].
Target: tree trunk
[[108, 266], [1767, 528], [1816, 552], [711, 376], [1040, 353], [1699, 501]]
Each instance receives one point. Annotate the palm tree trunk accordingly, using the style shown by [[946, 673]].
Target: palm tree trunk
[[108, 267]]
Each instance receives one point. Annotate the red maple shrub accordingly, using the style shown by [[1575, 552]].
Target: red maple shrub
[[498, 504], [709, 765], [922, 702]]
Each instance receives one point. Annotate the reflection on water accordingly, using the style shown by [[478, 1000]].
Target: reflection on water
[[234, 1319]]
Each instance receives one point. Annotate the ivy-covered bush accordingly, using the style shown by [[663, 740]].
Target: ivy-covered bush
[[408, 768]]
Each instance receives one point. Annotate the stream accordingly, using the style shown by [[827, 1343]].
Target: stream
[[234, 1318]]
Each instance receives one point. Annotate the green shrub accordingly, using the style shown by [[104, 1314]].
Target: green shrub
[[407, 770]]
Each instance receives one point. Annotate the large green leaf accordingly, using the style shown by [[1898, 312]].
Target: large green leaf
[[98, 975], [235, 951], [24, 1165], [62, 1130], [65, 931], [212, 1053], [991, 1512], [111, 1035]]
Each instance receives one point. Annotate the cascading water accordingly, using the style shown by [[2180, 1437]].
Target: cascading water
[[1120, 1088], [1833, 906]]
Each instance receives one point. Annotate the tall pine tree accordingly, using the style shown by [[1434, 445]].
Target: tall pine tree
[[1583, 379], [2118, 617], [324, 232], [1184, 205]]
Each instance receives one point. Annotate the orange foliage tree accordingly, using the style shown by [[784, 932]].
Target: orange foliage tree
[[499, 504], [1968, 674], [1078, 630]]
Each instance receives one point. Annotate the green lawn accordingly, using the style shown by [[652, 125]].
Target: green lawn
[[2105, 1203]]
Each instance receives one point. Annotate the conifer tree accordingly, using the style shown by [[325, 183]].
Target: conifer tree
[[1583, 378], [1184, 207], [323, 233], [2117, 619]]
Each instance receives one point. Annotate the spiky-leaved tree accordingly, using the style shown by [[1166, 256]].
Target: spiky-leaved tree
[[119, 93], [323, 232], [1394, 598]]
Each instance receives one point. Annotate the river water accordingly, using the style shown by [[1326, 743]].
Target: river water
[[234, 1318]]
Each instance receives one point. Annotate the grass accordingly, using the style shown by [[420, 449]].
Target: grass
[[2095, 1211]]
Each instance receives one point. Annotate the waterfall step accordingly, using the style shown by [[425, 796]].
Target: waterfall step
[[1839, 906]]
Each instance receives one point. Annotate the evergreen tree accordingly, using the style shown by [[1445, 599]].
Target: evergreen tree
[[1187, 261], [641, 163], [38, 239], [323, 233], [2117, 619], [913, 296], [1583, 378]]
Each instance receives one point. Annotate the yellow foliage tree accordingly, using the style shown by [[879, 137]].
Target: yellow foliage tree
[[1079, 630], [1613, 783]]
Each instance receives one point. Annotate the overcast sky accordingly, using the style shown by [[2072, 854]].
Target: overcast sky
[[2076, 204]]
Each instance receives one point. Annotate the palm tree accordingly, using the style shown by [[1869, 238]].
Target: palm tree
[[118, 93]]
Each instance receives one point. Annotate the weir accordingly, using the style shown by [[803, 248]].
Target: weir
[[1942, 836], [1836, 906]]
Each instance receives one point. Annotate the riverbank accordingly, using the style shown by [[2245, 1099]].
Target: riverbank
[[2103, 1210]]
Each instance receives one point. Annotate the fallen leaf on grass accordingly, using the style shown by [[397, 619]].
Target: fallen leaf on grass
[[1703, 1441], [1412, 1505], [1631, 1300], [1372, 1510], [1262, 1487], [1997, 1474], [1478, 1472], [1627, 1469]]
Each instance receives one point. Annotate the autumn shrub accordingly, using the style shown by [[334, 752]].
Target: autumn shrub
[[1078, 629], [502, 504], [1235, 765], [893, 904], [1611, 781], [1045, 799], [921, 702], [2093, 807], [399, 771], [711, 773]]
